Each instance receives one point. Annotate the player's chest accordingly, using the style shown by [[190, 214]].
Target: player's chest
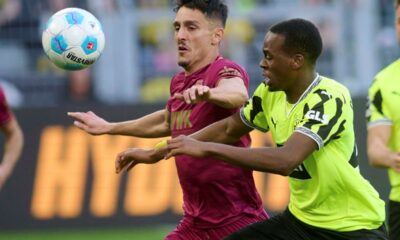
[[183, 86], [283, 123]]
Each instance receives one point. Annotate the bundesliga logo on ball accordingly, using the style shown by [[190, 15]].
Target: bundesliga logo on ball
[[73, 39]]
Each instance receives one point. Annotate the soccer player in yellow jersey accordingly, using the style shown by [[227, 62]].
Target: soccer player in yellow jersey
[[310, 118], [383, 117]]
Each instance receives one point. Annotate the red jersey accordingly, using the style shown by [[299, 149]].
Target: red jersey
[[5, 113], [215, 193]]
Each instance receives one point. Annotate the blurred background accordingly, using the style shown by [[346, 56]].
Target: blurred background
[[65, 179]]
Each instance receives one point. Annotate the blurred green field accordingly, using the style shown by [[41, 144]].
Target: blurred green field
[[156, 233]]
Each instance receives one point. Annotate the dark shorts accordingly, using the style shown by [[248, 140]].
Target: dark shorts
[[394, 220], [186, 231], [286, 226]]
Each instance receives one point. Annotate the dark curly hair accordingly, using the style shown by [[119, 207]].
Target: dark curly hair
[[301, 36], [213, 9]]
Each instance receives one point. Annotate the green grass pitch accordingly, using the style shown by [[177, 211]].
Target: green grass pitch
[[156, 233]]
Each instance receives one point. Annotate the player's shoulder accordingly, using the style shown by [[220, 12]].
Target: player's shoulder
[[225, 68], [263, 90], [180, 76], [332, 87], [389, 70], [268, 97], [328, 89], [223, 63], [388, 75]]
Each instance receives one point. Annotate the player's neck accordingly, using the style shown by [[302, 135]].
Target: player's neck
[[302, 84], [210, 58]]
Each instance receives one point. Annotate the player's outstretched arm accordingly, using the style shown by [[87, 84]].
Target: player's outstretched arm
[[282, 160], [150, 126], [379, 155], [229, 93], [228, 130], [14, 141], [91, 123], [133, 156]]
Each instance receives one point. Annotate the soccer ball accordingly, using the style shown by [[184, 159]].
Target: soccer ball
[[73, 39]]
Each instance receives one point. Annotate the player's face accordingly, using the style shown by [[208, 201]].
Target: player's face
[[397, 23], [193, 35], [276, 63]]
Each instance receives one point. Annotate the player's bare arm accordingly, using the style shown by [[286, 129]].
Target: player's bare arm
[[133, 156], [282, 160], [150, 126], [91, 123], [379, 155], [227, 131], [14, 141], [229, 93]]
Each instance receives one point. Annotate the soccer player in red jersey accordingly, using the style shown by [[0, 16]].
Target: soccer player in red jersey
[[14, 140], [218, 198]]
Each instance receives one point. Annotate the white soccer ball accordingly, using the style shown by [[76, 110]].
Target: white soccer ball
[[73, 39]]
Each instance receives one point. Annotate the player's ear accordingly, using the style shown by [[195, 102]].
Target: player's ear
[[297, 61], [217, 36]]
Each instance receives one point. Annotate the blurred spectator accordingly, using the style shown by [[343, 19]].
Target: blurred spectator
[[115, 74], [240, 34], [316, 2], [152, 3], [57, 5], [79, 85], [138, 54], [12, 50], [9, 10], [155, 90], [244, 5], [158, 60], [103, 7]]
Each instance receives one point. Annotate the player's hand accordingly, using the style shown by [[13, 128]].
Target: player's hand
[[194, 94], [395, 162], [186, 145], [90, 122], [133, 156], [4, 173]]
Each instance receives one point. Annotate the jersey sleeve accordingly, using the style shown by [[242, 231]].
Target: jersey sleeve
[[376, 113], [323, 118], [224, 69], [5, 112], [252, 113]]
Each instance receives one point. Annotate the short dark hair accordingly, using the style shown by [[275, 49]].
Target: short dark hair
[[301, 36], [213, 9], [396, 3]]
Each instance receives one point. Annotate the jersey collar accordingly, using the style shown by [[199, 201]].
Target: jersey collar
[[314, 83]]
